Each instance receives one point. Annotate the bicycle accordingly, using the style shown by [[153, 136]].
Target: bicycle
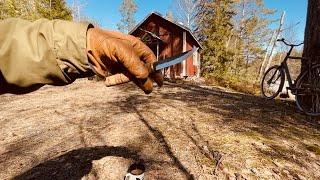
[[306, 88]]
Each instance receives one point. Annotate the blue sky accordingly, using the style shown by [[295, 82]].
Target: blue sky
[[296, 11], [106, 12]]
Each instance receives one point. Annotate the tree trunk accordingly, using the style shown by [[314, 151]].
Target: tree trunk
[[311, 49], [312, 33]]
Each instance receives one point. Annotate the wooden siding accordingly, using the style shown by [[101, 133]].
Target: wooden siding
[[172, 42]]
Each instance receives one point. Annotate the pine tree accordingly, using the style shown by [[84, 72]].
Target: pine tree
[[127, 9], [213, 29], [250, 32], [17, 8], [34, 9], [234, 35], [53, 9]]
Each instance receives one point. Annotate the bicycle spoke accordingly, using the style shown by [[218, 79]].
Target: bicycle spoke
[[276, 79], [270, 81]]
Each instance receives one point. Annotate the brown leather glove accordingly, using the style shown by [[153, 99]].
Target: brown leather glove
[[124, 56]]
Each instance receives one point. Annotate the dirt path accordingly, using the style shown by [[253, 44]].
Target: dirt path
[[180, 131]]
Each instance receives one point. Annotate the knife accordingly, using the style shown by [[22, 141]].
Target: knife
[[156, 66], [173, 60]]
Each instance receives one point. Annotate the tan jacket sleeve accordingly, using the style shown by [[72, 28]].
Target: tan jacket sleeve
[[42, 52]]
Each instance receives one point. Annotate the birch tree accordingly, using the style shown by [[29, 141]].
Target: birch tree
[[127, 9], [250, 33], [77, 7], [186, 11]]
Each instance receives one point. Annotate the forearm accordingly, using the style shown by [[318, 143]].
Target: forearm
[[42, 52]]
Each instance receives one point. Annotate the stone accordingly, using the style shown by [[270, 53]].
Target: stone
[[111, 168]]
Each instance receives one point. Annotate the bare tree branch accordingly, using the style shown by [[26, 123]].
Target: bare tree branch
[[186, 11]]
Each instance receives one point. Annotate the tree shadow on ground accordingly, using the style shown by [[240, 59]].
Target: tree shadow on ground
[[276, 121], [157, 134], [75, 164], [130, 104], [262, 113]]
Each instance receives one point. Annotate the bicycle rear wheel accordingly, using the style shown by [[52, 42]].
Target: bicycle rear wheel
[[272, 82], [308, 91]]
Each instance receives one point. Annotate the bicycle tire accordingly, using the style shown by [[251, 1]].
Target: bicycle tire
[[273, 75], [307, 93]]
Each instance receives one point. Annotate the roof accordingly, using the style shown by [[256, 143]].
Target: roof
[[173, 23]]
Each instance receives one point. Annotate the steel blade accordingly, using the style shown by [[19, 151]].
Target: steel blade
[[173, 60]]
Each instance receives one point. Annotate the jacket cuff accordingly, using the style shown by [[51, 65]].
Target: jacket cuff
[[70, 40]]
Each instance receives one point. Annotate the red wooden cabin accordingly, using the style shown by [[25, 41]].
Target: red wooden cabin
[[166, 39]]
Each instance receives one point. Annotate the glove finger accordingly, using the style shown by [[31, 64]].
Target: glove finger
[[158, 78], [125, 55], [146, 85], [146, 55], [143, 52]]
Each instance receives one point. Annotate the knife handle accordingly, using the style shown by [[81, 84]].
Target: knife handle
[[125, 77], [117, 79]]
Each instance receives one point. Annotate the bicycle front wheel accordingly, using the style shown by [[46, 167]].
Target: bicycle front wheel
[[272, 82], [308, 91]]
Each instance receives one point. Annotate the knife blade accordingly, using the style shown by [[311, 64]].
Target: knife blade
[[173, 60]]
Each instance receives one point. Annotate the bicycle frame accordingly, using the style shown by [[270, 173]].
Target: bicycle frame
[[284, 65]]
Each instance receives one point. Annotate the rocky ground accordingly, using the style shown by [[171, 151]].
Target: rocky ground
[[181, 131]]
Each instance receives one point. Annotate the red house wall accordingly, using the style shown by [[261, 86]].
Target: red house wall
[[172, 36]]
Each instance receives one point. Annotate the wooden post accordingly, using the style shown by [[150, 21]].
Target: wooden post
[[196, 62], [184, 63], [158, 49]]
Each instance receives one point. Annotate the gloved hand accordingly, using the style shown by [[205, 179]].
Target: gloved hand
[[124, 56]]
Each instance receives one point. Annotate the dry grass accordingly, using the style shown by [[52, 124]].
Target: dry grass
[[180, 131], [243, 85]]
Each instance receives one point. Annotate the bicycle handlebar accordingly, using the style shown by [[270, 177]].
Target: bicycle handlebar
[[292, 45]]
